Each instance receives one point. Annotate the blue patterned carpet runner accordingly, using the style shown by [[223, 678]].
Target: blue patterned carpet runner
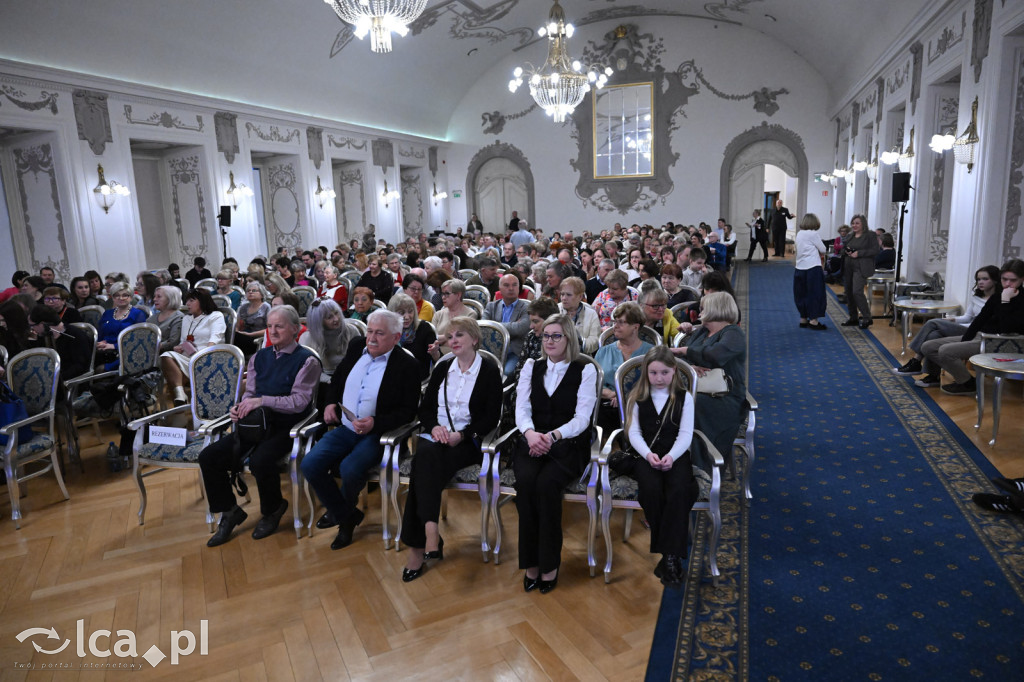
[[861, 556]]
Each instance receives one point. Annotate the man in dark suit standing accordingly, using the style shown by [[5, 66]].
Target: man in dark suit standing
[[779, 218], [595, 284], [513, 224], [375, 389], [510, 311]]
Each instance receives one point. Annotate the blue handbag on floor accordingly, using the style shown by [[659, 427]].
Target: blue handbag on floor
[[12, 409]]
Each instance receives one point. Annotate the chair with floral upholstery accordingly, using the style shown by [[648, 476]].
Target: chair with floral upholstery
[[216, 377], [32, 376], [583, 490], [494, 339], [645, 333], [138, 348], [230, 322], [620, 492], [306, 296], [92, 314], [478, 293], [474, 478]]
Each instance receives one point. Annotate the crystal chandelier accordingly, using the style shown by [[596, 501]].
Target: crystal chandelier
[[560, 84], [107, 193], [378, 18]]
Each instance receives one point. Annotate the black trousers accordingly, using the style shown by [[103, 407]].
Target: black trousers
[[432, 469], [754, 243], [540, 482], [264, 463], [779, 237], [667, 498]]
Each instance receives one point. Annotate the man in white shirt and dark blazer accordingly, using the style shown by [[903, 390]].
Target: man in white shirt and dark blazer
[[510, 310]]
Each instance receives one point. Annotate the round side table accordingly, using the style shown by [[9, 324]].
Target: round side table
[[913, 307], [999, 366]]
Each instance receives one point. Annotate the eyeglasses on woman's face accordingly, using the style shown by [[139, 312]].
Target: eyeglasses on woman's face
[[553, 338]]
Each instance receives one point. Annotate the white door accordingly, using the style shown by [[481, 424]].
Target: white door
[[500, 188], [746, 192]]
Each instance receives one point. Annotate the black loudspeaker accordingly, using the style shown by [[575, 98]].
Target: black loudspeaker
[[225, 215], [900, 187]]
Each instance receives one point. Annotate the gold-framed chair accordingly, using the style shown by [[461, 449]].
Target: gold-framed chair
[[476, 306], [215, 374], [681, 310], [208, 283], [503, 478], [621, 492], [230, 322], [474, 478], [32, 376]]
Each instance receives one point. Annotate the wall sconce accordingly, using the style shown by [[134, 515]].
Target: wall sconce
[[438, 196], [389, 196], [106, 193], [323, 194], [235, 192], [966, 146], [943, 143], [873, 167], [859, 166], [907, 157]]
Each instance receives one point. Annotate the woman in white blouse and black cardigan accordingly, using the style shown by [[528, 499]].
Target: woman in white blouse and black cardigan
[[202, 327], [461, 405], [555, 399]]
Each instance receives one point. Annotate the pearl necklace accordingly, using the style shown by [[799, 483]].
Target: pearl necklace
[[126, 314]]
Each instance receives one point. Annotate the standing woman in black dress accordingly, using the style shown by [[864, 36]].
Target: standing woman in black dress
[[555, 399]]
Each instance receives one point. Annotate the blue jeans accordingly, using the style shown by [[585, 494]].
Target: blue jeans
[[354, 455], [510, 364]]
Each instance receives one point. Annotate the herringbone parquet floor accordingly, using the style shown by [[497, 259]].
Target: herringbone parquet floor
[[281, 609]]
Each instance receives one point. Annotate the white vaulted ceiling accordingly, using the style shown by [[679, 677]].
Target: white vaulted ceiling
[[296, 55]]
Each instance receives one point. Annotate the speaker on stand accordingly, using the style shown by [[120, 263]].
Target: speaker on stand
[[224, 220], [900, 195]]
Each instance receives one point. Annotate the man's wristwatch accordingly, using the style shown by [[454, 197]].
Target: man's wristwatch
[[555, 437]]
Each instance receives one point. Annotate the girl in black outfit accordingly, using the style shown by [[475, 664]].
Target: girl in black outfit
[[659, 424]]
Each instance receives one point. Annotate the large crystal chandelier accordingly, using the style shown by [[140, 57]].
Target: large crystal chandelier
[[560, 84], [378, 18]]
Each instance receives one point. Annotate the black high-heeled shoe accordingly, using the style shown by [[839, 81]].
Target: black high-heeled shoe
[[530, 584], [410, 574], [437, 553], [546, 586]]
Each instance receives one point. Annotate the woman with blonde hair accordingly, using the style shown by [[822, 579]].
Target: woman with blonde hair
[[452, 291], [461, 405], [572, 292], [276, 285], [555, 399]]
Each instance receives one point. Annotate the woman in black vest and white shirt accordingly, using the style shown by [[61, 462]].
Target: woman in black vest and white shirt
[[554, 402], [461, 405]]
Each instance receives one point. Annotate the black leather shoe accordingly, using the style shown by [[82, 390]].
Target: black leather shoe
[[410, 574], [675, 571], [530, 584], [267, 526], [546, 586], [659, 570], [345, 529], [326, 521], [851, 323], [437, 553], [228, 521], [864, 324]]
